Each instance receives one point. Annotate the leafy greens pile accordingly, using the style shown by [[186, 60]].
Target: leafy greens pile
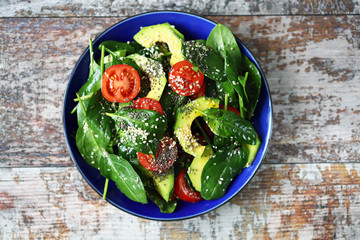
[[110, 134]]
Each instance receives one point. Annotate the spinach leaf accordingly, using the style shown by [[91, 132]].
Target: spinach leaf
[[210, 63], [140, 129], [116, 46], [219, 171], [170, 102], [125, 177], [252, 86], [119, 59], [95, 129], [221, 142], [128, 153], [221, 39], [165, 207], [224, 88], [228, 124], [232, 78]]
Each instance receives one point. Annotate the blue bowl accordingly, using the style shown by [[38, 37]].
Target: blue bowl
[[193, 27]]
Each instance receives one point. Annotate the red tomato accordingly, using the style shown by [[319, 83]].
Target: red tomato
[[230, 108], [200, 93], [147, 103], [120, 83], [183, 191], [165, 156], [184, 80]]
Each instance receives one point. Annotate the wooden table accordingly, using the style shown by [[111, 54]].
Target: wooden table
[[308, 186]]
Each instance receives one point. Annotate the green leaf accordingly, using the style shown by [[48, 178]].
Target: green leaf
[[219, 171], [128, 153], [125, 177], [222, 40], [228, 124], [116, 46], [140, 129], [221, 142], [253, 85], [210, 63], [95, 129], [165, 207]]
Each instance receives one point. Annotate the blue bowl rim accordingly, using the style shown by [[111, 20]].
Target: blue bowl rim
[[269, 133]]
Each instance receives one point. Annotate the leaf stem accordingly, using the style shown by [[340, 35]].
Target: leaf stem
[[203, 132], [204, 114], [81, 104], [83, 97], [102, 59], [74, 110], [226, 101], [91, 56], [105, 188]]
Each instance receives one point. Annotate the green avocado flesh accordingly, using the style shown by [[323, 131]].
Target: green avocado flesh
[[184, 118], [163, 182], [196, 167], [166, 33], [153, 69]]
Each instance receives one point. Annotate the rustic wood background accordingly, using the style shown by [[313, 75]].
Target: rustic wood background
[[308, 186]]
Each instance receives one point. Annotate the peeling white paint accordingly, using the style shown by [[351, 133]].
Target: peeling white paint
[[312, 175]]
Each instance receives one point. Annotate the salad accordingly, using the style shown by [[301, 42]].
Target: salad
[[166, 118]]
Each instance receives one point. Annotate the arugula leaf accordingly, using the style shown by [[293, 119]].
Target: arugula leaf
[[219, 171], [228, 124], [140, 129], [125, 177], [210, 63]]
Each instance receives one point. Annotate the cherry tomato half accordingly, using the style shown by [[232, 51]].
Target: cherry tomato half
[[147, 103], [165, 156], [200, 93], [120, 83], [183, 191], [184, 80]]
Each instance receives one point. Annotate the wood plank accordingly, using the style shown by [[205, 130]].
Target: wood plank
[[76, 8], [311, 63], [298, 201]]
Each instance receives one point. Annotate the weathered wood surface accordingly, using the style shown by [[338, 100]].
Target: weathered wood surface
[[298, 201], [37, 8], [307, 187], [312, 64]]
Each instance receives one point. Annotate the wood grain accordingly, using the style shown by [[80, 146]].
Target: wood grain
[[77, 8], [299, 201], [308, 184], [314, 87]]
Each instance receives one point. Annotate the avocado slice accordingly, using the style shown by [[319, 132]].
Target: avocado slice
[[166, 33], [252, 151], [184, 117], [163, 182], [196, 167], [153, 69]]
